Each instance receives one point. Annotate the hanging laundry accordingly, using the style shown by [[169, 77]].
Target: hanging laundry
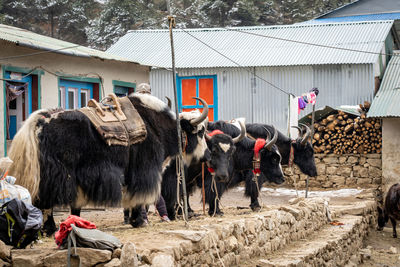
[[307, 98]]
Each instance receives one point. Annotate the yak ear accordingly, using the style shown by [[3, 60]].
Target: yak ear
[[186, 126]]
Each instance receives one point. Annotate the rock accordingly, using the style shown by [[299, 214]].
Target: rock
[[117, 253], [231, 244], [374, 172], [331, 170], [194, 236], [338, 180], [162, 260], [115, 262], [352, 160], [365, 253], [393, 250], [87, 256], [344, 171], [295, 212], [129, 256], [296, 200], [330, 159], [375, 162], [5, 252], [321, 168], [342, 159]]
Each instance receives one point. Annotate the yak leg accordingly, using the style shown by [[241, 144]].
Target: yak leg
[[76, 211], [393, 221], [126, 216], [211, 196], [138, 217], [49, 225], [252, 191]]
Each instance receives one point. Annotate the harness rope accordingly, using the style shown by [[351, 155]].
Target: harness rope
[[179, 177]]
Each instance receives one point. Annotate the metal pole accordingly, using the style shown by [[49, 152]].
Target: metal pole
[[171, 22], [312, 137]]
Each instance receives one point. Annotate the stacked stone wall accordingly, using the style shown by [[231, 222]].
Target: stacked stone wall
[[338, 171]]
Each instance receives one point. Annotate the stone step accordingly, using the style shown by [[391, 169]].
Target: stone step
[[329, 246]]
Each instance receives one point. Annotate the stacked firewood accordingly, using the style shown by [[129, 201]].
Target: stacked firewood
[[344, 133]]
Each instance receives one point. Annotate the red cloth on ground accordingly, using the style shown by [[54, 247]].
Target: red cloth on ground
[[65, 227]]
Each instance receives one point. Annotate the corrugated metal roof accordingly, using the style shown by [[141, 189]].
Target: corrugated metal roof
[[371, 17], [33, 40], [386, 101], [152, 47]]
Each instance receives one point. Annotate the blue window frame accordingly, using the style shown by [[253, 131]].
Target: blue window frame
[[198, 105], [122, 88], [74, 94]]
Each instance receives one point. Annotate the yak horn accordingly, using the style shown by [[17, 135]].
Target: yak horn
[[208, 138], [298, 129], [239, 138], [169, 102], [273, 141], [203, 115], [268, 134], [306, 135]]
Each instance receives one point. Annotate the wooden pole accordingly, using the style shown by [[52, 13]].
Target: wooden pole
[[202, 189], [312, 136], [171, 22]]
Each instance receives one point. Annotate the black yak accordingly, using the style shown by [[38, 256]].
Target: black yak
[[63, 161], [391, 209], [262, 150], [222, 147]]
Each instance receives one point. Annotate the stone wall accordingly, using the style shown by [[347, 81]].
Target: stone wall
[[335, 171]]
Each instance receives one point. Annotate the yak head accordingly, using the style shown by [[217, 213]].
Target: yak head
[[222, 148], [270, 158], [383, 218], [304, 152], [194, 125]]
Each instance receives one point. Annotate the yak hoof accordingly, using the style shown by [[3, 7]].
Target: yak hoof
[[394, 235], [139, 222], [255, 208]]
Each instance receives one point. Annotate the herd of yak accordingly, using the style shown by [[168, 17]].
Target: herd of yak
[[63, 161]]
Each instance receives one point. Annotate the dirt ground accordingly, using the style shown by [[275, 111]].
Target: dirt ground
[[111, 220]]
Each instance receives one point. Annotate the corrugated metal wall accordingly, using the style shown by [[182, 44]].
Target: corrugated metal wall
[[241, 94]]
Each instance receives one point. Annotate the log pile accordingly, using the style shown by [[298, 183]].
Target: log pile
[[343, 133]]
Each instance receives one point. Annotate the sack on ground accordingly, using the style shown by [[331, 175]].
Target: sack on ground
[[93, 238], [9, 190], [19, 223]]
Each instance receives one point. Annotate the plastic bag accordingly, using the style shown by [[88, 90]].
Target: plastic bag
[[9, 191]]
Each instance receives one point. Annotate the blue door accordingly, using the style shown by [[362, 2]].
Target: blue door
[[21, 107]]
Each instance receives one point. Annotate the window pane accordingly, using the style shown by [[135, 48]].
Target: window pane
[[71, 99], [83, 99]]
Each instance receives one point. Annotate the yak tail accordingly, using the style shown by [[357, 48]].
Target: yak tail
[[25, 155]]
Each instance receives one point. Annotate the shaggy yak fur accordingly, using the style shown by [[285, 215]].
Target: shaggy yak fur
[[195, 148], [221, 147], [241, 170], [62, 160], [391, 209]]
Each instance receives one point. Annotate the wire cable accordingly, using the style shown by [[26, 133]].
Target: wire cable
[[233, 61], [307, 43]]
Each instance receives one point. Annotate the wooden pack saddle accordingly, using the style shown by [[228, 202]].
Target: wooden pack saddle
[[116, 120]]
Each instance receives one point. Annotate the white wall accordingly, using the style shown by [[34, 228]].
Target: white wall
[[109, 70], [390, 152]]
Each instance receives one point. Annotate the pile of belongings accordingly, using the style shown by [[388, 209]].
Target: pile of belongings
[[8, 189], [82, 233], [20, 222]]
